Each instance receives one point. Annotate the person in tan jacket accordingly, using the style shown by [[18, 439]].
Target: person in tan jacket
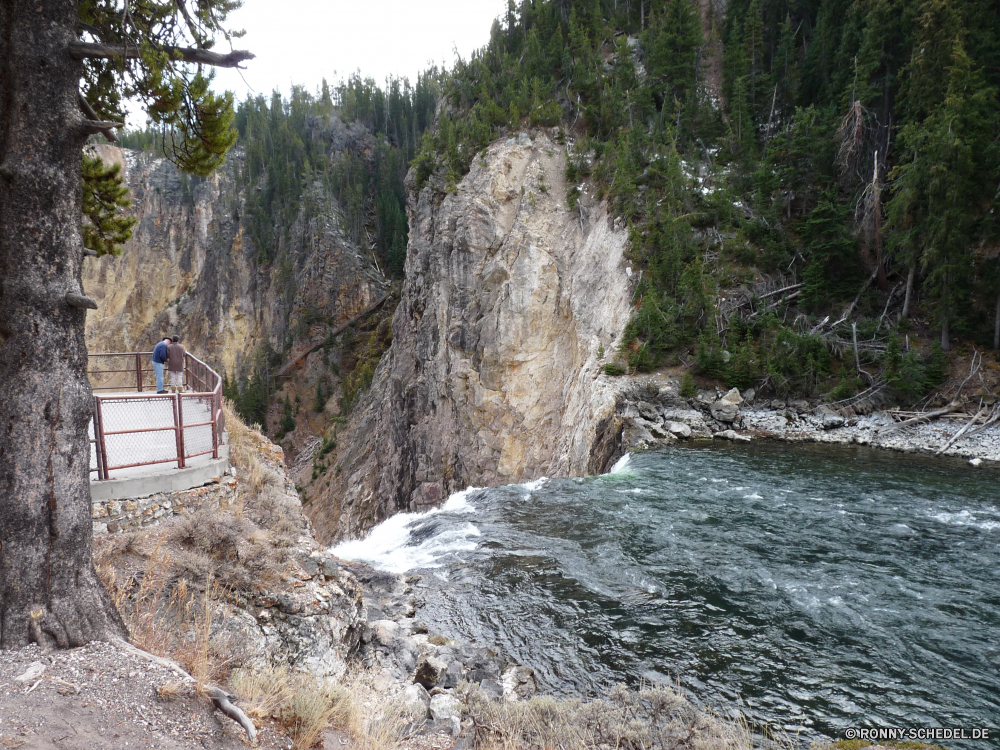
[[175, 364]]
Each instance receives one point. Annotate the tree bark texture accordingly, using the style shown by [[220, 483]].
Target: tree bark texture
[[49, 590]]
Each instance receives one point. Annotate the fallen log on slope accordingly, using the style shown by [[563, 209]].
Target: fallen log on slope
[[220, 698], [952, 407], [959, 434], [994, 416]]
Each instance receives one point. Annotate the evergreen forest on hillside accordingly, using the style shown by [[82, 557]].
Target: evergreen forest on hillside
[[807, 186], [800, 180], [284, 148]]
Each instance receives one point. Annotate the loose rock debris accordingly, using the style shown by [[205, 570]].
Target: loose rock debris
[[101, 696]]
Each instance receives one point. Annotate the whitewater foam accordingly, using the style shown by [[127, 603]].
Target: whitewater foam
[[408, 541], [965, 518], [532, 487], [621, 464]]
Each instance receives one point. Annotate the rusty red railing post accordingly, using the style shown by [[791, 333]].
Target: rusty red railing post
[[215, 431], [99, 433], [179, 429]]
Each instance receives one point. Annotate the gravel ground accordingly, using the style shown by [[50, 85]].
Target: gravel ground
[[101, 696], [876, 430]]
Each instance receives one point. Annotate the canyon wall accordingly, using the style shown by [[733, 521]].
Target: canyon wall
[[512, 304], [190, 269]]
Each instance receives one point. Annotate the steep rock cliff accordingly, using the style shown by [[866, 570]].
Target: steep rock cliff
[[190, 269], [511, 299]]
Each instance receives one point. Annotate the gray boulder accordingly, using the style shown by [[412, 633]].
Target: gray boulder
[[417, 701], [648, 411], [386, 632], [453, 675], [829, 419], [492, 689], [727, 408], [407, 652], [678, 429], [692, 418], [445, 706], [518, 682], [732, 435]]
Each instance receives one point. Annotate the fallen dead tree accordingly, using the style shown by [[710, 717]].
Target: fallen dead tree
[[959, 434], [220, 698], [870, 399], [925, 417], [992, 419]]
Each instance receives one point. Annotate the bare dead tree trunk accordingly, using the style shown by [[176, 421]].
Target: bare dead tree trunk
[[877, 207], [909, 291], [49, 590]]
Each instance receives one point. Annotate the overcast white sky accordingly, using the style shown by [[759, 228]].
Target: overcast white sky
[[303, 41]]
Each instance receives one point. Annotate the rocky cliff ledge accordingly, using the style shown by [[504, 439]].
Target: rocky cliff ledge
[[239, 583], [511, 300]]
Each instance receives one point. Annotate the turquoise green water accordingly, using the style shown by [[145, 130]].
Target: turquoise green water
[[823, 588]]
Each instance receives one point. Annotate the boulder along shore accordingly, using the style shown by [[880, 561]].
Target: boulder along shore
[[651, 413]]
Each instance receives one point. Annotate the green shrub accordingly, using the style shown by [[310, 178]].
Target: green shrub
[[936, 368], [287, 421], [688, 387]]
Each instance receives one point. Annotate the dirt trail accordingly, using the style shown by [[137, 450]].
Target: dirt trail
[[100, 696]]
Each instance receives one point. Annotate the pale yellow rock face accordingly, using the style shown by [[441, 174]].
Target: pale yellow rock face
[[189, 269], [493, 376]]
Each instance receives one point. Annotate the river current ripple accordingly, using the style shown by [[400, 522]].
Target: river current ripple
[[822, 588]]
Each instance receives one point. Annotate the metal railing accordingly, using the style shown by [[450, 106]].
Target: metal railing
[[147, 428]]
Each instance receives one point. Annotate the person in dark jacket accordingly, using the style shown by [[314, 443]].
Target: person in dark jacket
[[159, 360], [175, 364]]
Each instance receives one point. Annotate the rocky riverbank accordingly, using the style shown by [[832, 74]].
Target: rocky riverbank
[[433, 676], [652, 413]]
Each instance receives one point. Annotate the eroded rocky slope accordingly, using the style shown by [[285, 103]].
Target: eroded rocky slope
[[511, 301]]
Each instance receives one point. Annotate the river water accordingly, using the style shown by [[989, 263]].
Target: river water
[[821, 587]]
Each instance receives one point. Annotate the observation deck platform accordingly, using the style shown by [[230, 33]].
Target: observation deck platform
[[142, 442]]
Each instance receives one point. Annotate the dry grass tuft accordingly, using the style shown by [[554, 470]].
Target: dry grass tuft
[[169, 691], [165, 580], [653, 718], [306, 706], [166, 616]]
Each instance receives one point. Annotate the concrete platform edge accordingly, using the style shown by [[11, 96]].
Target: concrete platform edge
[[168, 480]]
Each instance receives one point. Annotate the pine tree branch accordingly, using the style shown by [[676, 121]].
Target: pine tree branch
[[109, 132], [85, 50], [80, 301], [102, 126]]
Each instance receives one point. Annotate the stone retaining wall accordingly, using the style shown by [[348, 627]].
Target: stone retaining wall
[[122, 515]]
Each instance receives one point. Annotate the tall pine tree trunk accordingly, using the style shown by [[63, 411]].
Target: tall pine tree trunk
[[49, 590]]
